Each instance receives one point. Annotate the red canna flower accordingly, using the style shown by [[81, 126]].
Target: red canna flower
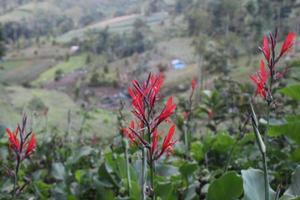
[[266, 48], [154, 142], [14, 142], [260, 79], [168, 142], [166, 112], [194, 84], [31, 146], [144, 98], [23, 144], [288, 43]]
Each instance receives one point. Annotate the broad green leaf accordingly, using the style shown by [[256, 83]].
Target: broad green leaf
[[223, 142], [292, 91], [197, 151], [135, 192], [254, 185], [106, 176], [227, 187], [290, 128], [165, 190], [295, 155], [82, 152], [105, 194], [79, 174], [187, 169], [42, 189], [294, 188], [166, 170], [190, 192], [58, 171]]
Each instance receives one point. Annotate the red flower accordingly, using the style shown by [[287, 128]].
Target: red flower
[[168, 142], [154, 142], [144, 97], [260, 79], [266, 48], [166, 112], [14, 142], [288, 43], [129, 133], [146, 93], [20, 142], [194, 84], [155, 83], [31, 146]]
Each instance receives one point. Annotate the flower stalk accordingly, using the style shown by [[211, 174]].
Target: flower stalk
[[262, 149], [143, 131], [264, 81], [144, 173], [23, 145]]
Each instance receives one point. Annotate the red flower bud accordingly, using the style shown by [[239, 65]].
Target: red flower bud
[[288, 43]]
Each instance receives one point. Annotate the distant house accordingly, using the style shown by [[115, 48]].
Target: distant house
[[74, 49], [178, 64]]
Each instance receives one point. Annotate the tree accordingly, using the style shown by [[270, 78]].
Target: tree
[[2, 42]]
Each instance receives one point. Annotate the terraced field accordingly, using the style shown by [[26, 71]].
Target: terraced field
[[16, 99]]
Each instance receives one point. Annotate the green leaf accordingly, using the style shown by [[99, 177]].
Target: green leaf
[[289, 128], [135, 191], [197, 151], [165, 190], [227, 187], [254, 185], [292, 91], [58, 171], [79, 174], [106, 176], [42, 189], [294, 188], [82, 152], [222, 143], [166, 170], [187, 169]]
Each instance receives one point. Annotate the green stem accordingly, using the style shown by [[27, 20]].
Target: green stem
[[266, 179], [262, 149], [16, 177], [144, 173], [127, 165], [152, 169], [186, 142]]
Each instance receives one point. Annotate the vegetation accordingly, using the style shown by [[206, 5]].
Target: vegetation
[[160, 99]]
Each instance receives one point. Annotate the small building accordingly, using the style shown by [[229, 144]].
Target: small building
[[178, 64], [74, 49]]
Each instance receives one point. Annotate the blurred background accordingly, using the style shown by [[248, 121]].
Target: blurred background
[[66, 59]]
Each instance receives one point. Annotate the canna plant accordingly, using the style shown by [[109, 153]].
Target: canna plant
[[144, 131], [265, 81], [23, 144]]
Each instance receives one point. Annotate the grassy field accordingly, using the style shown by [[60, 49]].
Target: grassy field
[[15, 99], [23, 71], [117, 24], [74, 62], [26, 12]]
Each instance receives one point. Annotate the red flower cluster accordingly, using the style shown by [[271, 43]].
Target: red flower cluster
[[261, 78], [144, 131], [20, 142], [194, 84]]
